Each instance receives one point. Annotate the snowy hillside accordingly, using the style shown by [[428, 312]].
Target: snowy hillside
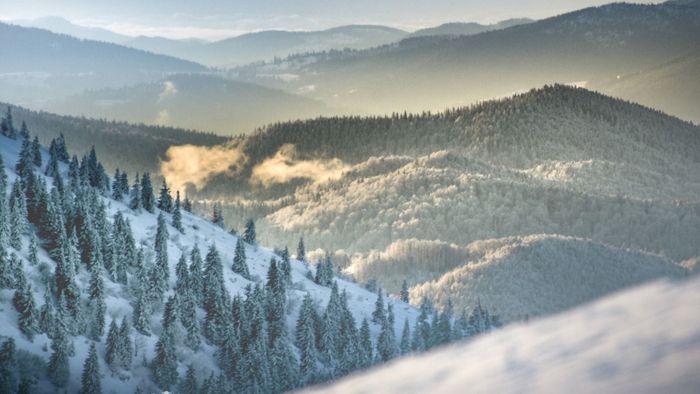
[[538, 275], [31, 275], [645, 340]]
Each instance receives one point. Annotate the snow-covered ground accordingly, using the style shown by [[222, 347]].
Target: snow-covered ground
[[198, 231], [644, 340]]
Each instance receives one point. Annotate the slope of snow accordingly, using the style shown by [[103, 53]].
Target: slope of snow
[[198, 231], [537, 275], [645, 340]]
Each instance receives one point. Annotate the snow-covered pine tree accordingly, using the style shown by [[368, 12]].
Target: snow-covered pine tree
[[164, 363], [366, 353], [217, 216], [142, 313], [177, 214], [91, 381], [161, 249], [404, 292], [59, 366], [117, 193], [189, 384], [165, 200], [112, 345], [196, 284], [187, 204], [249, 235], [23, 301], [283, 366], [4, 208], [98, 308], [286, 266], [135, 202], [378, 315], [405, 344], [147, 198], [240, 266], [8, 366], [301, 251], [125, 348], [36, 152]]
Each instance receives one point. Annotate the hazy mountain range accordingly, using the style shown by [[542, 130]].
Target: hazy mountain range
[[582, 47]]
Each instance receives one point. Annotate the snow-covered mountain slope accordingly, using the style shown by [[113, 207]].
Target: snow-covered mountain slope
[[538, 275], [645, 340], [119, 298]]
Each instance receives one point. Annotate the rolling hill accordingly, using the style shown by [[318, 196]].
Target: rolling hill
[[467, 28], [558, 160]]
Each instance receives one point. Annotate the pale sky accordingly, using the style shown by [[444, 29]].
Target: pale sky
[[215, 19]]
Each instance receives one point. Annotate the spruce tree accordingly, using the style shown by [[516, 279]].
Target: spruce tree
[[161, 249], [147, 198], [16, 216], [8, 366], [135, 201], [196, 278], [4, 208], [378, 315], [165, 200], [47, 315], [98, 308], [404, 292], [164, 364], [117, 192], [59, 367], [366, 356], [187, 204], [23, 302], [301, 251], [217, 216], [249, 233], [283, 366], [112, 345], [91, 373], [141, 313], [286, 266], [239, 260], [177, 214], [189, 384], [405, 345], [36, 152]]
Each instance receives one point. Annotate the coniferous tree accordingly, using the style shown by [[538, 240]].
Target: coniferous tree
[[189, 384], [404, 292], [378, 315], [117, 191], [286, 266], [239, 260], [283, 366], [59, 367], [405, 345], [366, 354], [213, 295], [196, 278], [147, 198], [23, 302], [177, 214], [386, 343], [249, 233], [47, 315], [187, 204], [7, 125], [98, 308], [33, 256], [8, 366], [142, 313], [164, 364], [135, 201], [36, 152], [112, 345], [217, 216], [165, 200], [91, 373], [17, 220], [161, 248], [126, 349], [307, 363], [301, 251]]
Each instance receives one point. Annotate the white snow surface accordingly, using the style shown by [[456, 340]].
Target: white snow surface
[[198, 231], [643, 340]]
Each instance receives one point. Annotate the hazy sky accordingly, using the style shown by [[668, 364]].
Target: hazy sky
[[219, 18]]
